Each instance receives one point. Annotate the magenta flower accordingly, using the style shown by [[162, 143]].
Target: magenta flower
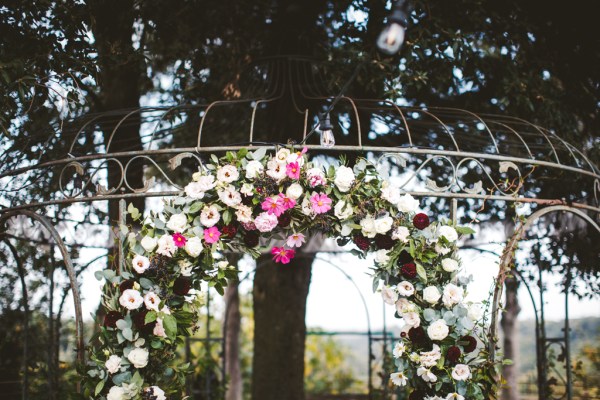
[[295, 240], [212, 235], [293, 170], [320, 203], [288, 202], [273, 205], [282, 255], [179, 239]]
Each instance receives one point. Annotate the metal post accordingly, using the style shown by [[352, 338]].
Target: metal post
[[51, 339], [542, 356], [121, 241], [567, 331], [454, 210]]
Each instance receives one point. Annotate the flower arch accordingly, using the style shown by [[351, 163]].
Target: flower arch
[[234, 201]]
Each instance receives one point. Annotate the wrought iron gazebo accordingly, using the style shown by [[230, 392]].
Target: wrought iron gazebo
[[474, 157]]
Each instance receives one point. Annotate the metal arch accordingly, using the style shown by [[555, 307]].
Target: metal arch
[[70, 272]]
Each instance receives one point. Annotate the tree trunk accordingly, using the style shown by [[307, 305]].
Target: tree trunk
[[279, 309], [510, 330]]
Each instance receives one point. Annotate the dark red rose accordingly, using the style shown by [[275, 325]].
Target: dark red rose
[[404, 257], [251, 239], [471, 345], [361, 242], [128, 284], [139, 318], [453, 354], [403, 334], [421, 221], [417, 335], [384, 242], [229, 231], [249, 226], [284, 220], [111, 318], [409, 270], [182, 286], [417, 395]]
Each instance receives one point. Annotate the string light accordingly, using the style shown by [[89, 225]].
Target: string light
[[327, 138], [391, 37]]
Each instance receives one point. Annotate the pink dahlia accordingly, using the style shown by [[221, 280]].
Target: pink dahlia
[[273, 205], [212, 235], [321, 203], [293, 170], [282, 255], [179, 239]]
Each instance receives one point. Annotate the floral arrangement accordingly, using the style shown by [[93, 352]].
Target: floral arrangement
[[234, 201]]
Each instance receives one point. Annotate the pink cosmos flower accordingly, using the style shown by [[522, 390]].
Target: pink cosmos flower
[[282, 255], [295, 240], [179, 239], [293, 170], [273, 205], [320, 203], [288, 202], [212, 235]]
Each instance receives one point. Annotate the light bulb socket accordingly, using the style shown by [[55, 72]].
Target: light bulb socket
[[399, 13], [325, 123]]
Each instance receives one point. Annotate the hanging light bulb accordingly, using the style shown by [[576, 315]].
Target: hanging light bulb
[[327, 138], [392, 36]]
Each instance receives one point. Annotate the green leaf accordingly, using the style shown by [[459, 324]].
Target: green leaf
[[259, 154], [128, 334], [227, 217], [99, 387], [195, 207], [134, 212], [122, 324], [464, 230], [150, 317], [99, 275], [170, 324], [421, 272], [146, 283], [214, 158]]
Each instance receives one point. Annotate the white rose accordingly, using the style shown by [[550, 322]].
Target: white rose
[[389, 295], [227, 174], [229, 196], [401, 233], [461, 372], [367, 225], [276, 170], [244, 213], [166, 246], [151, 300], [407, 204], [156, 392], [116, 393], [209, 216], [131, 299], [343, 210], [449, 265], [404, 306], [140, 263], [431, 294], [113, 364], [412, 318], [344, 178], [148, 243], [438, 330], [253, 169], [138, 357], [475, 312], [177, 222], [448, 232], [390, 193], [282, 156], [206, 183], [193, 246], [194, 190], [383, 224], [382, 257], [405, 288], [452, 295], [294, 191]]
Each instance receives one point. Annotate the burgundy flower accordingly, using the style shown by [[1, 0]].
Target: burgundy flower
[[284, 220], [404, 257], [417, 335], [361, 242], [139, 318], [182, 286], [249, 226], [384, 242], [229, 231], [111, 318], [403, 334], [421, 221], [417, 395], [453, 354], [247, 200], [128, 284], [251, 239], [409, 270], [471, 345]]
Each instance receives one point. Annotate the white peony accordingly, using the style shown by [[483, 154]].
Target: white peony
[[343, 210], [148, 243], [389, 295], [452, 295], [140, 263], [177, 223], [138, 357], [404, 306], [229, 196], [294, 191], [276, 170], [383, 224], [194, 190], [344, 178], [382, 257], [401, 233], [390, 193], [151, 300], [193, 246], [113, 364], [209, 216], [156, 393], [265, 222], [405, 288], [448, 232], [449, 265], [430, 358], [412, 318], [399, 349], [367, 225], [166, 246], [431, 294], [131, 299], [426, 374], [407, 204], [398, 378], [227, 174], [461, 372], [253, 169], [438, 330], [475, 311], [116, 393], [244, 214]]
